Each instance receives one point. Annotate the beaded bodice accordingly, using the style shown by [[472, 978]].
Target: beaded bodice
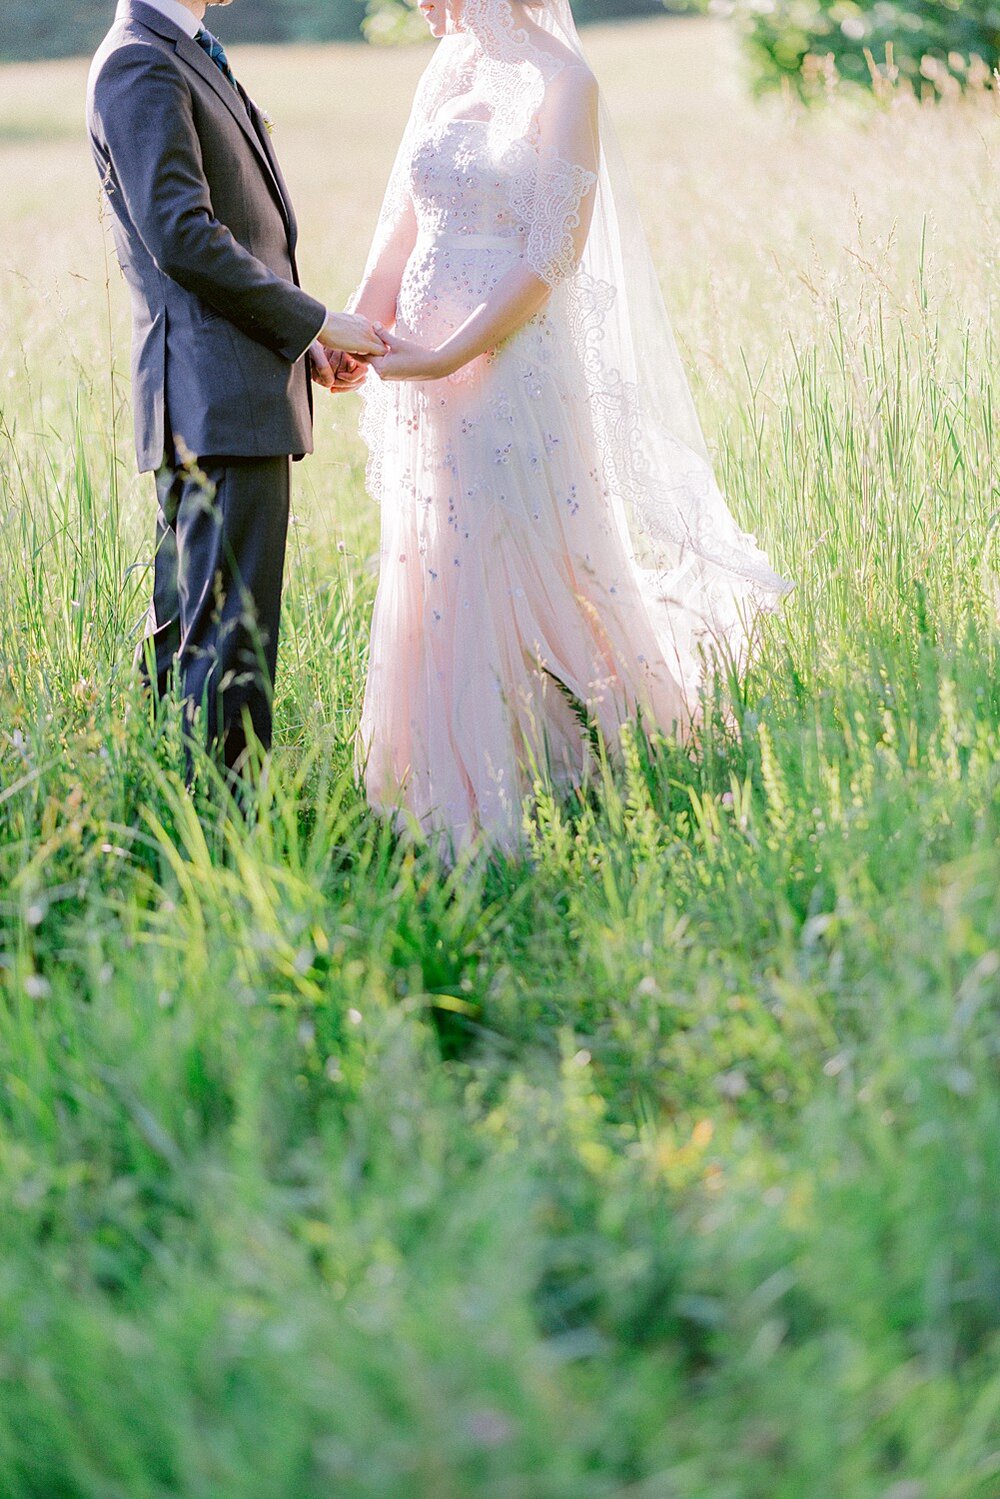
[[468, 236], [457, 186]]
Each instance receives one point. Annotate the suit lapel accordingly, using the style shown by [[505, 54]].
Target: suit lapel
[[192, 54], [189, 52], [264, 139]]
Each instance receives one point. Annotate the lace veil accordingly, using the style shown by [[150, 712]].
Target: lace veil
[[574, 206]]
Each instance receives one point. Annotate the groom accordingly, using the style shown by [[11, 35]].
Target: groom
[[222, 338]]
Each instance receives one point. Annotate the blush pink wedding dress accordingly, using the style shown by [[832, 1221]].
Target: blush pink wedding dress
[[516, 610]]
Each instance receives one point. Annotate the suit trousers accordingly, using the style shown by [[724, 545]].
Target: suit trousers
[[221, 530]]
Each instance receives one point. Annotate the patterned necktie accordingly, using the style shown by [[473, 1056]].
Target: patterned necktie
[[215, 50]]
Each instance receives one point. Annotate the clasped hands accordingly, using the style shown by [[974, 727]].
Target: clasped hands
[[348, 344]]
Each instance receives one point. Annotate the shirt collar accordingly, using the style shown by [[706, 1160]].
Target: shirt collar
[[184, 19]]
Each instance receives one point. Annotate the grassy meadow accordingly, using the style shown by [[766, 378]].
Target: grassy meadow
[[661, 1164]]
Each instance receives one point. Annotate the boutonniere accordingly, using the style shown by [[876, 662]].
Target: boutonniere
[[268, 122]]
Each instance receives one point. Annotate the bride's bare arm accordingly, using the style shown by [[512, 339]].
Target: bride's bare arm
[[378, 294], [569, 152]]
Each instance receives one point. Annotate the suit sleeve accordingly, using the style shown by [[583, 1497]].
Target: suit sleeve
[[142, 109]]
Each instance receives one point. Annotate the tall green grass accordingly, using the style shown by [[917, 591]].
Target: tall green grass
[[661, 1162]]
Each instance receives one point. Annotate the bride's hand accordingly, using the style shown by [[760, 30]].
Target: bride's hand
[[407, 360]]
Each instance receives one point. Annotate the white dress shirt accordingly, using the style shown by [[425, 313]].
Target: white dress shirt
[[179, 14]]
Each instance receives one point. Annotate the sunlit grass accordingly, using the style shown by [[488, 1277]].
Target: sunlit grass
[[661, 1162]]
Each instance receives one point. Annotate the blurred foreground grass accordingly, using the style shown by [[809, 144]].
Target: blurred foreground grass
[[662, 1164]]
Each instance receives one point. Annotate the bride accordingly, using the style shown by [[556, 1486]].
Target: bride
[[555, 553]]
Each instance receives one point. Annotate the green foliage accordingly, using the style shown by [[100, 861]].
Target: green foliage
[[672, 1148], [393, 21], [934, 46]]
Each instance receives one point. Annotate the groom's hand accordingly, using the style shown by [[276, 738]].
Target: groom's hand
[[322, 368], [351, 373], [336, 372], [349, 333], [406, 360]]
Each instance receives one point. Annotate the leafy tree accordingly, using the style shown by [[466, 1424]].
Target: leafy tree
[[938, 46], [391, 21]]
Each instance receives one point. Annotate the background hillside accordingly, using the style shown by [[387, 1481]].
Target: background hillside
[[62, 28]]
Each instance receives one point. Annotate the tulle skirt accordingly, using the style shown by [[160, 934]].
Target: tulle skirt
[[512, 615]]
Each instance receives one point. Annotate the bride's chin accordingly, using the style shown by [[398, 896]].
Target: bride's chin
[[435, 25], [438, 16]]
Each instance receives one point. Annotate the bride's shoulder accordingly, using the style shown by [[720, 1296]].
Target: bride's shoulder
[[564, 58], [572, 87]]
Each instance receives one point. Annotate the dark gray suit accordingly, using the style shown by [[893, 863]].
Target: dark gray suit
[[205, 235]]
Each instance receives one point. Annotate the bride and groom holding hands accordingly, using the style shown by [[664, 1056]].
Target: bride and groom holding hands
[[556, 555]]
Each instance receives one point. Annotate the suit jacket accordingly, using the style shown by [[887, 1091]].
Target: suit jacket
[[205, 235]]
